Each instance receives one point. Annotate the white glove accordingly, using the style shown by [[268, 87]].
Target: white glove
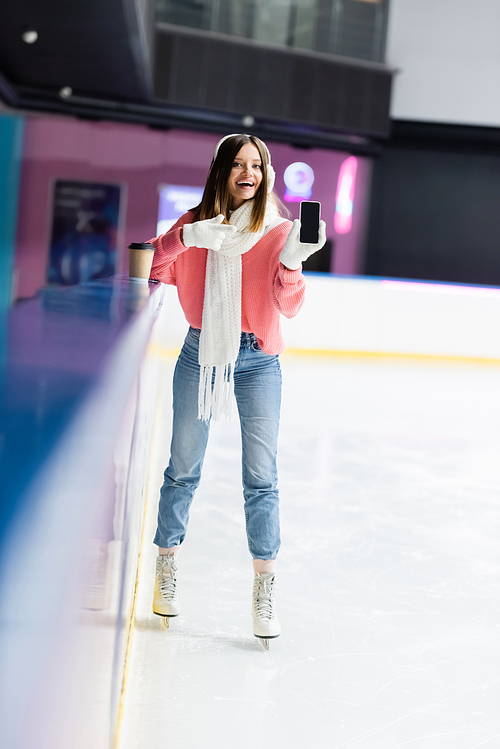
[[294, 253], [209, 233]]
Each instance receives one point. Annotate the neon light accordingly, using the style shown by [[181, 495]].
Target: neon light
[[344, 198], [299, 178], [440, 288]]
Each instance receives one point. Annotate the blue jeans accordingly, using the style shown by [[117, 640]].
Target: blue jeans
[[257, 387]]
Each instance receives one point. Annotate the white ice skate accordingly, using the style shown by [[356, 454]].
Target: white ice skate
[[265, 622], [165, 597]]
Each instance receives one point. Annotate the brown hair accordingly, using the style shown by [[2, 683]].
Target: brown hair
[[216, 197]]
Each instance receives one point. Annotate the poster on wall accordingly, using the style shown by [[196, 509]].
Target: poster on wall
[[85, 220]]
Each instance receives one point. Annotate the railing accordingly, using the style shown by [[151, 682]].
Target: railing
[[78, 385]]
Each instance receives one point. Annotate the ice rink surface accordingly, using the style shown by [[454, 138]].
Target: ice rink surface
[[388, 577]]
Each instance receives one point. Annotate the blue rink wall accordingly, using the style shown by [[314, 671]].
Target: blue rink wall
[[80, 379], [77, 410]]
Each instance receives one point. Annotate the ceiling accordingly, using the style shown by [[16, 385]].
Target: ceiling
[[95, 60]]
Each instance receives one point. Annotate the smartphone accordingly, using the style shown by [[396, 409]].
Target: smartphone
[[309, 221]]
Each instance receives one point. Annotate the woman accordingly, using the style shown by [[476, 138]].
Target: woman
[[237, 266]]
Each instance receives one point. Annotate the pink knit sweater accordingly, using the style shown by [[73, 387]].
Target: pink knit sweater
[[268, 288]]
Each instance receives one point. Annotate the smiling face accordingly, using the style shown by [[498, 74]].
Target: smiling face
[[246, 175]]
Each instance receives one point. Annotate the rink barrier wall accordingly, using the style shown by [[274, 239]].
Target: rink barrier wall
[[78, 392], [365, 316], [130, 626]]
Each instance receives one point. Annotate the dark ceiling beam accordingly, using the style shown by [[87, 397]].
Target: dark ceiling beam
[[186, 118]]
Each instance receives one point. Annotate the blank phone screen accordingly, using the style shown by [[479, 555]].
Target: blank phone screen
[[309, 221]]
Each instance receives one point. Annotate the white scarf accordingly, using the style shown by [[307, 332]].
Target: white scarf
[[221, 323]]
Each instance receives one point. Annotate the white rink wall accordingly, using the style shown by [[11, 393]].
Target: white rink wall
[[381, 316]]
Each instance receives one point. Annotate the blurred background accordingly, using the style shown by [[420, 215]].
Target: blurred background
[[385, 111]]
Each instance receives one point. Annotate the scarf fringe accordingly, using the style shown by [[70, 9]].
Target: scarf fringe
[[214, 400]]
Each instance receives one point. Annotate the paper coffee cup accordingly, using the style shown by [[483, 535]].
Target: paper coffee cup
[[140, 259]]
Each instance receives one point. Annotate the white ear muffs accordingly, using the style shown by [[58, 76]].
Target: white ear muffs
[[271, 174]]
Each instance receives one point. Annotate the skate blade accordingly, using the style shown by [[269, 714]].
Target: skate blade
[[265, 640], [165, 619]]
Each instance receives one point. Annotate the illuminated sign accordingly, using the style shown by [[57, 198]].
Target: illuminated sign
[[344, 198], [299, 178], [175, 200]]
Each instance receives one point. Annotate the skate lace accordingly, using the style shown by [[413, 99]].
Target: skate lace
[[264, 598], [167, 579]]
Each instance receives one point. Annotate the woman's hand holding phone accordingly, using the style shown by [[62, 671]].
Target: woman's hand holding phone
[[294, 253], [208, 234]]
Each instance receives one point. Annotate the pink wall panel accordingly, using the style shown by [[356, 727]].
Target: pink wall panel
[[140, 159]]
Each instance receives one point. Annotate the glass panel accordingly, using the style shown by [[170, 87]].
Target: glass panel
[[353, 28]]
